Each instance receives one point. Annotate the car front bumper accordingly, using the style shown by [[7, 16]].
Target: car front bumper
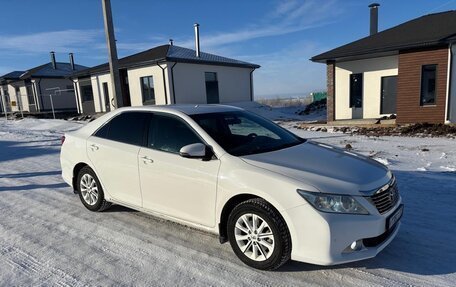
[[325, 238]]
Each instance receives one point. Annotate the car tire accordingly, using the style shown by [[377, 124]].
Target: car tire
[[90, 190], [259, 235]]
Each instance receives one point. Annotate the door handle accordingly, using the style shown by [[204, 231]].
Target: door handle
[[94, 147], [146, 159]]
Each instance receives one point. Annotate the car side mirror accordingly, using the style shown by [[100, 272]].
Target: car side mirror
[[196, 150]]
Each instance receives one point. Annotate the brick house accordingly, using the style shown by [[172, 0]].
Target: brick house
[[406, 70]]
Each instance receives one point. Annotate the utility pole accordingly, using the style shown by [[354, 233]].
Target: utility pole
[[113, 62]]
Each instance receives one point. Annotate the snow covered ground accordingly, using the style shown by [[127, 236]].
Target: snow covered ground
[[48, 238], [286, 113]]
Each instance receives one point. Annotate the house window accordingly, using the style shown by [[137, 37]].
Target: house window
[[356, 90], [18, 91], [86, 91], [428, 84], [212, 91], [147, 89]]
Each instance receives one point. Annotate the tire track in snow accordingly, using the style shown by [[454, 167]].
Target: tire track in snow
[[28, 264], [125, 252], [133, 251]]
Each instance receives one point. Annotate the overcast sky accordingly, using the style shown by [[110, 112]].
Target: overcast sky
[[280, 36]]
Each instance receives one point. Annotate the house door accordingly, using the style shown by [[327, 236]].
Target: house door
[[31, 99], [388, 95], [125, 87], [106, 97], [356, 95], [88, 105], [212, 90]]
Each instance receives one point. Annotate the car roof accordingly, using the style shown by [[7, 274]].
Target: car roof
[[187, 109]]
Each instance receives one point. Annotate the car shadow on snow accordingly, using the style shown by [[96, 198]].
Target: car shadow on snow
[[119, 208], [13, 150], [30, 174], [33, 186], [425, 242]]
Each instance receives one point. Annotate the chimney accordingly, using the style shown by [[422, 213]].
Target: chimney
[[171, 42], [71, 61], [197, 40], [54, 64], [373, 18]]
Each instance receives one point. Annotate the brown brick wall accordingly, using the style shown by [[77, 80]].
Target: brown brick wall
[[330, 76], [409, 86]]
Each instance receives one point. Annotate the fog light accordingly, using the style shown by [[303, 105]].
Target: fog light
[[356, 245]]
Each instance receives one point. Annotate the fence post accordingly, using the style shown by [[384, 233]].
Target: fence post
[[4, 107], [19, 104], [52, 106]]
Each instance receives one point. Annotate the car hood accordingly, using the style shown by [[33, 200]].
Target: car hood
[[328, 169]]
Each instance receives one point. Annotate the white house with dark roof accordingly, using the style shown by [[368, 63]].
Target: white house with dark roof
[[31, 90], [167, 74]]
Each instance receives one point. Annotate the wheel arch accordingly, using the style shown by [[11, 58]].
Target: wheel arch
[[76, 170], [230, 204]]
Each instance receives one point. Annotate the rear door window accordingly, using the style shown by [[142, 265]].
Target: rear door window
[[170, 134], [126, 128]]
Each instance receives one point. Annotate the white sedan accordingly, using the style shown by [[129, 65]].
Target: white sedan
[[273, 195]]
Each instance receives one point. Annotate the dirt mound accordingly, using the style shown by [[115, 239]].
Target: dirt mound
[[314, 107], [413, 130]]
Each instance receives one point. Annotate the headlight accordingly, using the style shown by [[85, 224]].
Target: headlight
[[333, 203]]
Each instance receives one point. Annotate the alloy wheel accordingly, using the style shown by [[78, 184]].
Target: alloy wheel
[[254, 237], [89, 189]]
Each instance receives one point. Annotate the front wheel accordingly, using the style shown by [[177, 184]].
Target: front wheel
[[90, 190], [258, 235]]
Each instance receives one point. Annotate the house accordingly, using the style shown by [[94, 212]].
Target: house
[[167, 74], [10, 87], [41, 88], [407, 70]]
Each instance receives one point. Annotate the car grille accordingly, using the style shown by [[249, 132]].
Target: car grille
[[386, 197]]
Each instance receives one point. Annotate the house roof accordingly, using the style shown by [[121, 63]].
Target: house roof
[[62, 70], [12, 76], [170, 53], [429, 30]]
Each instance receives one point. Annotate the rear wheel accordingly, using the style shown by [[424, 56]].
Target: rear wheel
[[90, 190], [259, 235]]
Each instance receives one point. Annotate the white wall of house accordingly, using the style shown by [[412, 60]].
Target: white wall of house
[[98, 93], [24, 102], [13, 99], [190, 84], [134, 82], [373, 70], [106, 78]]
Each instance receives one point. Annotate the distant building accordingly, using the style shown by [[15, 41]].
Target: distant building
[[10, 85], [167, 74], [407, 70], [30, 90]]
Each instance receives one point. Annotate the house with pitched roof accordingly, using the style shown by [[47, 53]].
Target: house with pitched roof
[[406, 72], [42, 88], [10, 87], [164, 75]]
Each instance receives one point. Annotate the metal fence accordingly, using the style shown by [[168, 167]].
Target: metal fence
[[22, 104]]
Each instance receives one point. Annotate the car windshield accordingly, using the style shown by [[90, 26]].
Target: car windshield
[[243, 133]]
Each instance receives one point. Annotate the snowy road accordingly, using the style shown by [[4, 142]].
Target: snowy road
[[48, 238]]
